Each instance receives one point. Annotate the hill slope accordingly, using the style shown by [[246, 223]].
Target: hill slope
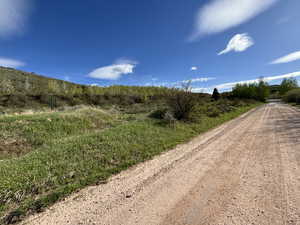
[[21, 89]]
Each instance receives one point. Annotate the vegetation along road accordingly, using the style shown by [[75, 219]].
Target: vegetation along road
[[243, 172]]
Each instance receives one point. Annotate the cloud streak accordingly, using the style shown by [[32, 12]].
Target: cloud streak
[[271, 78], [178, 83], [13, 16], [288, 58], [230, 85], [238, 43], [219, 15], [196, 80], [114, 71], [11, 63]]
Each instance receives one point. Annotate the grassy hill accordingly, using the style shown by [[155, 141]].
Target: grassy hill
[[23, 90], [14, 81]]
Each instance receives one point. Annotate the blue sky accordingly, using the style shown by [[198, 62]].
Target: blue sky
[[136, 42]]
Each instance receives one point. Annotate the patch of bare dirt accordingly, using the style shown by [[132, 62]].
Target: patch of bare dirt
[[13, 147]]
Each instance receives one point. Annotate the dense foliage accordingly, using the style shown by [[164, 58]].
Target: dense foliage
[[292, 96], [287, 85], [257, 91]]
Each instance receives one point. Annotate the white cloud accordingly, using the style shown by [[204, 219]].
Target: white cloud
[[199, 79], [114, 71], [219, 15], [226, 86], [194, 68], [288, 58], [11, 63], [239, 43], [13, 16], [202, 90], [126, 61]]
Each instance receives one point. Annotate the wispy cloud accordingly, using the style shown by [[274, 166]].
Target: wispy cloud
[[196, 80], [238, 43], [194, 68], [11, 63], [114, 71], [179, 83], [228, 86], [219, 15], [13, 16], [288, 58]]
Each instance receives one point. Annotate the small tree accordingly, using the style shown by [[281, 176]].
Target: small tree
[[216, 94]]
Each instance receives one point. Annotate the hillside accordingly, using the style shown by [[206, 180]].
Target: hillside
[[23, 90], [14, 81]]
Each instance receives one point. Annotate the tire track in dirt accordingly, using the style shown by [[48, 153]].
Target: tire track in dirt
[[223, 180], [289, 141]]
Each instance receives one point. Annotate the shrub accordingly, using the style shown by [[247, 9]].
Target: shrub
[[292, 96], [182, 103], [159, 113], [287, 85]]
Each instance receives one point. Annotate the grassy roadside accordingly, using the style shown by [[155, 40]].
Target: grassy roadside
[[54, 169]]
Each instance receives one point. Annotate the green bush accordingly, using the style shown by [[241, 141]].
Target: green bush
[[182, 103], [159, 113], [287, 85], [292, 96]]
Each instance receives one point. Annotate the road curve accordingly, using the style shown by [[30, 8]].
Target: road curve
[[243, 172]]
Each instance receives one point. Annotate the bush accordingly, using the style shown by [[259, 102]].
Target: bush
[[158, 114], [292, 96], [182, 103], [287, 85]]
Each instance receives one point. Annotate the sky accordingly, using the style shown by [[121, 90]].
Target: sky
[[212, 43]]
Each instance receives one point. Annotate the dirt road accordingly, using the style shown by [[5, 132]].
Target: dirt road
[[244, 172]]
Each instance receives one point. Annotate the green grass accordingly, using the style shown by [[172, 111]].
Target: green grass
[[20, 134], [68, 151]]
